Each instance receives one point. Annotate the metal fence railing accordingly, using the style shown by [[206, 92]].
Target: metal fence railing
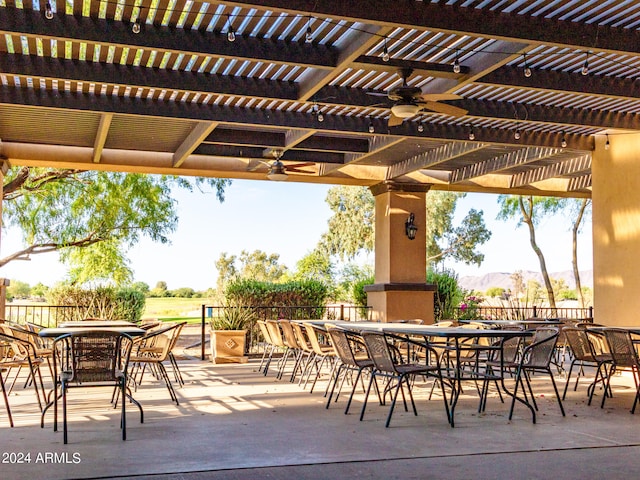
[[521, 313], [44, 315]]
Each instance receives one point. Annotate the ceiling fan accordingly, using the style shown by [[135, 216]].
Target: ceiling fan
[[278, 170], [409, 101]]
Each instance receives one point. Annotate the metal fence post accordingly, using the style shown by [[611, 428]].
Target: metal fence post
[[202, 335]]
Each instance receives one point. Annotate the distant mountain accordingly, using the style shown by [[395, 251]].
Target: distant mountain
[[501, 279]]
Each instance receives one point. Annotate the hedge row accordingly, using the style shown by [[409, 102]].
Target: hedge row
[[295, 293], [101, 302]]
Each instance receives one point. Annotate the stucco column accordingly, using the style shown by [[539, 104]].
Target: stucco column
[[400, 291], [616, 229], [4, 282]]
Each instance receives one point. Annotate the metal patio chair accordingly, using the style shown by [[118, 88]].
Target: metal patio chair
[[91, 358], [389, 364], [624, 357], [584, 354], [536, 357]]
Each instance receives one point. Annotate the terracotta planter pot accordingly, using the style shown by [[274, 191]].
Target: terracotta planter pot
[[227, 346]]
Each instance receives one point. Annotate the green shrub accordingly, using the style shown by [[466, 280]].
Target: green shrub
[[129, 304], [448, 294], [494, 292], [306, 293], [360, 296], [101, 302]]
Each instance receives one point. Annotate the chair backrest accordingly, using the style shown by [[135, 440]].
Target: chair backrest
[[312, 335], [341, 345], [540, 351], [621, 347], [163, 340], [301, 336], [379, 351], [92, 356], [19, 342], [275, 333], [262, 325], [579, 343], [444, 323], [290, 339]]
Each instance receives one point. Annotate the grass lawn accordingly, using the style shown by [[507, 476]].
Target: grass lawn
[[174, 308]]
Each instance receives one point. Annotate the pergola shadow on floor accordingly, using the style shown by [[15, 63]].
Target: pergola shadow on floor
[[232, 422]]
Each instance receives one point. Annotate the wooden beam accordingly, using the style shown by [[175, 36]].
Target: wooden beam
[[433, 157], [359, 42], [581, 164], [270, 119], [32, 24], [565, 82], [503, 162], [425, 69], [455, 19], [200, 131], [101, 135], [126, 75]]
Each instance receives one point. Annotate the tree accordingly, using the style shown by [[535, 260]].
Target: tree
[[256, 265], [444, 239], [530, 210], [141, 287], [160, 290], [261, 266], [494, 292], [578, 210], [91, 217], [351, 281], [18, 289], [39, 290], [315, 265], [227, 270], [351, 228], [518, 283]]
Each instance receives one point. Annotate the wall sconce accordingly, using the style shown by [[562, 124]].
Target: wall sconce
[[410, 227]]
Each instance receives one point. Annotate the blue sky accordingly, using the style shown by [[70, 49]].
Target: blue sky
[[288, 219]]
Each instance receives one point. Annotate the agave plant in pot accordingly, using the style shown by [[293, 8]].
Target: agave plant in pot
[[228, 334]]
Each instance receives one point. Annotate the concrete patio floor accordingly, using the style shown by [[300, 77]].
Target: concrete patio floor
[[233, 423]]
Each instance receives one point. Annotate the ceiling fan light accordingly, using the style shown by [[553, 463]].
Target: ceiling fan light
[[405, 110], [277, 172]]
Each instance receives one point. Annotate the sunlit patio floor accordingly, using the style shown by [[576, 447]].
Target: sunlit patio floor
[[234, 423]]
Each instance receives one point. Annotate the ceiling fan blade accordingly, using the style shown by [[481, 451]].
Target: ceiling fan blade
[[437, 97], [394, 121], [444, 108], [377, 94], [300, 165], [255, 165]]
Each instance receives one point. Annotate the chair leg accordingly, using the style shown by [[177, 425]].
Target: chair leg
[[637, 382], [336, 379], [6, 400], [64, 412], [167, 380], [612, 370], [176, 370], [393, 401], [555, 388], [566, 385], [123, 422], [366, 395]]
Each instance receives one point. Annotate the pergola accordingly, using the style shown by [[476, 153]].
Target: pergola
[[529, 93]]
